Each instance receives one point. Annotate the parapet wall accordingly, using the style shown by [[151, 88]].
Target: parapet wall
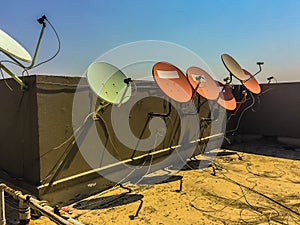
[[37, 128], [276, 112], [40, 156]]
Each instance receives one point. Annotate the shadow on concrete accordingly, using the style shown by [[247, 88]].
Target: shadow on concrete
[[108, 201], [161, 179], [267, 146], [193, 165]]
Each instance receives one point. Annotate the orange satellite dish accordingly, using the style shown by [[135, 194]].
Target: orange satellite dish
[[233, 67], [172, 82], [202, 82], [226, 98], [251, 83]]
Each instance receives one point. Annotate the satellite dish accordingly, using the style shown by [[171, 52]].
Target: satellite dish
[[202, 82], [12, 48], [226, 98], [15, 51], [233, 67], [251, 83], [172, 82], [108, 82]]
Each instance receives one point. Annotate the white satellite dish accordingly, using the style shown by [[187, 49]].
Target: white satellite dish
[[11, 47], [109, 83], [14, 51], [233, 67]]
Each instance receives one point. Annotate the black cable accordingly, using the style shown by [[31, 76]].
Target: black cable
[[7, 85], [254, 207], [215, 210], [70, 143], [261, 210], [25, 71], [58, 50], [9, 61], [261, 194], [248, 167], [241, 115]]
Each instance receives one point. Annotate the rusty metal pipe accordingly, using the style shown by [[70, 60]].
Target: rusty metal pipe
[[34, 204], [2, 208]]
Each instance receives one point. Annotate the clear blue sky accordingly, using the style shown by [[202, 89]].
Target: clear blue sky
[[249, 30]]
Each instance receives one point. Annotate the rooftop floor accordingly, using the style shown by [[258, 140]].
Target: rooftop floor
[[257, 183]]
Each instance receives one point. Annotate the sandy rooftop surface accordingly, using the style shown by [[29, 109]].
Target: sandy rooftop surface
[[247, 188]]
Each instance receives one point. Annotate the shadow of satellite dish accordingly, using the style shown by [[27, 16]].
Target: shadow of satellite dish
[[108, 201], [159, 179]]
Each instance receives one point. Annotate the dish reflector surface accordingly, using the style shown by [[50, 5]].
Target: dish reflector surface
[[11, 47], [107, 81], [233, 67], [226, 98], [251, 83], [200, 79], [172, 82]]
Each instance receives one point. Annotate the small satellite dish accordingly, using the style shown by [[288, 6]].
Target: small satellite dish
[[226, 98], [233, 67], [108, 82], [172, 82], [202, 82], [251, 83], [12, 48]]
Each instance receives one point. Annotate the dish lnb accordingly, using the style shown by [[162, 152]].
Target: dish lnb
[[42, 20]]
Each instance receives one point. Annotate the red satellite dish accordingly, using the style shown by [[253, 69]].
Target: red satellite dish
[[251, 83], [172, 82], [226, 98], [202, 82]]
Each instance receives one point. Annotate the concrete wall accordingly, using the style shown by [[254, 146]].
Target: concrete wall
[[36, 125], [19, 139], [275, 113]]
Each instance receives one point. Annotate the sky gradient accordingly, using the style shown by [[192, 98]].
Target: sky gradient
[[248, 30]]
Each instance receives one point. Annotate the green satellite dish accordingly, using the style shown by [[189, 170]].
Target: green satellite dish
[[12, 48], [109, 83]]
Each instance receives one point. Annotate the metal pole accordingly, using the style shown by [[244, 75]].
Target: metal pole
[[2, 207], [24, 212], [34, 204], [23, 85], [37, 47]]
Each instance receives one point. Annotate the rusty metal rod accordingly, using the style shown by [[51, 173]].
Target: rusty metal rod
[[34, 204], [2, 208]]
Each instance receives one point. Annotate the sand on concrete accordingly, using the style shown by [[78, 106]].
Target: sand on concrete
[[249, 186], [243, 188]]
